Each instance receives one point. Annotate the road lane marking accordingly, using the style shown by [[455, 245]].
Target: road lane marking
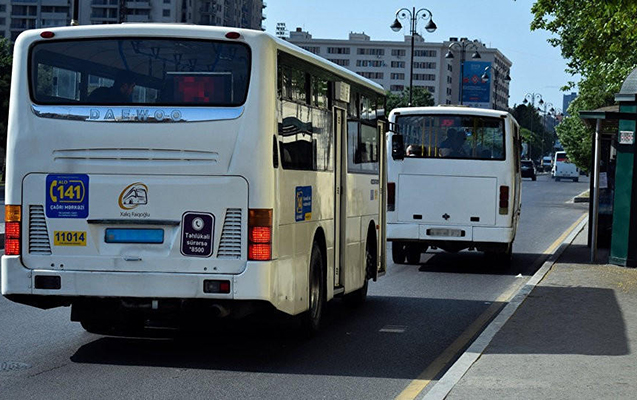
[[420, 383], [393, 329]]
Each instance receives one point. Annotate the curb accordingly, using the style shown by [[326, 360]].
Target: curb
[[444, 386]]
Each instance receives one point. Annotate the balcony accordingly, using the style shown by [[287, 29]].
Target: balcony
[[138, 5]]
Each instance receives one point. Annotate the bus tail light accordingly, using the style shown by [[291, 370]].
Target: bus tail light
[[504, 200], [391, 196], [260, 234], [12, 235]]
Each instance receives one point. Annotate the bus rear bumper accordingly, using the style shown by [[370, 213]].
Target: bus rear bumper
[[422, 232], [254, 283]]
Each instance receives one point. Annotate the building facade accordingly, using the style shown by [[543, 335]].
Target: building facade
[[566, 101], [19, 15], [387, 62]]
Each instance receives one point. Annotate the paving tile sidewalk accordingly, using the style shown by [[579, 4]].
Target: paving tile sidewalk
[[572, 338]]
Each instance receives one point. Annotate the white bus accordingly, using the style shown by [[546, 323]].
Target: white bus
[[453, 178], [157, 170]]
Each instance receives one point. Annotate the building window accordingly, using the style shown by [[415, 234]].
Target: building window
[[424, 77], [398, 64], [425, 53], [312, 49], [3, 8], [340, 61], [397, 88], [398, 52], [425, 65], [338, 50], [397, 76], [369, 63], [371, 52], [449, 68], [371, 75], [166, 13]]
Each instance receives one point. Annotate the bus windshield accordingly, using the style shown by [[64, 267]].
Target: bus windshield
[[452, 136], [139, 71]]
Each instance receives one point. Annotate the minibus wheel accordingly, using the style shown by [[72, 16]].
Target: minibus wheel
[[398, 252], [311, 319], [413, 253]]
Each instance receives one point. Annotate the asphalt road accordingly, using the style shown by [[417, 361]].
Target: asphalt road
[[412, 316]]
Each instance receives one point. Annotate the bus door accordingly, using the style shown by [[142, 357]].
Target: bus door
[[340, 199]]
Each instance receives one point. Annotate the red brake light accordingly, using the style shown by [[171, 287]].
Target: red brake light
[[13, 217], [47, 35], [391, 196], [504, 200], [233, 35], [260, 234]]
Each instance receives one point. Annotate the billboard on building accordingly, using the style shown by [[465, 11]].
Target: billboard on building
[[475, 91]]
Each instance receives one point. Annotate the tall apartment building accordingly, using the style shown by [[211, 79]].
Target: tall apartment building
[[387, 62], [566, 101], [19, 15]]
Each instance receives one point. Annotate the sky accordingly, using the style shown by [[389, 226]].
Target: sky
[[538, 67]]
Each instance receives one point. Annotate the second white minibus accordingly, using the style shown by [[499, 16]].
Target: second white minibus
[[453, 181]]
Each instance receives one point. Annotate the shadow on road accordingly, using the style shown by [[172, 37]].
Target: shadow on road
[[353, 342]]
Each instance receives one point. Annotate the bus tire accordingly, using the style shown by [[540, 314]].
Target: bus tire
[[413, 253], [398, 252], [359, 296], [575, 179], [311, 319]]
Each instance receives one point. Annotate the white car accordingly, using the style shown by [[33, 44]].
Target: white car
[[563, 168]]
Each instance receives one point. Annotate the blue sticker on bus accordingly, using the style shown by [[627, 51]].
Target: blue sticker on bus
[[303, 201], [67, 196]]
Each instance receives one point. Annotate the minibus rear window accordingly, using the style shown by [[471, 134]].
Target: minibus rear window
[[452, 136], [139, 71]]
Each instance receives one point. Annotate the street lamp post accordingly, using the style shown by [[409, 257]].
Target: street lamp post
[[413, 15], [462, 45], [496, 79], [531, 97]]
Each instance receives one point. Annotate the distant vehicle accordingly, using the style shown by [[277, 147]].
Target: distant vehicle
[[458, 184], [528, 169], [547, 164], [563, 168]]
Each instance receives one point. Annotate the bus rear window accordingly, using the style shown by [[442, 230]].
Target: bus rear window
[[452, 136], [140, 71]]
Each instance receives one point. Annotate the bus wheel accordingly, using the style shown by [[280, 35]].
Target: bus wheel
[[359, 296], [413, 254], [398, 252], [311, 319]]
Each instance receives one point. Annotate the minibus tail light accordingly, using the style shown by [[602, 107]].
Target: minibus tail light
[[391, 196], [504, 200], [13, 219], [260, 234]]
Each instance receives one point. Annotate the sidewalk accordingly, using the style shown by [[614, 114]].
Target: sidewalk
[[571, 338]]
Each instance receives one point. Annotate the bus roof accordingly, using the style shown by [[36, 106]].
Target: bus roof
[[443, 109], [192, 31]]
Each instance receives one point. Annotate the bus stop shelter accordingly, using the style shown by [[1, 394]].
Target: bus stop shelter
[[615, 132]]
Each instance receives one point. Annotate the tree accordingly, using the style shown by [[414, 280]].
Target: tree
[[421, 98], [597, 38], [5, 84], [534, 134]]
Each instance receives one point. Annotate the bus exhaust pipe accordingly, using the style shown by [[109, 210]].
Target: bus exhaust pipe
[[220, 311]]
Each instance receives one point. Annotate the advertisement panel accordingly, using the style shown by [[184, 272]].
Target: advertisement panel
[[475, 91]]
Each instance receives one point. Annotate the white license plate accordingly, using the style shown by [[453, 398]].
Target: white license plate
[[445, 232]]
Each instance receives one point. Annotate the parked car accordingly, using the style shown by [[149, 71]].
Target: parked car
[[528, 169]]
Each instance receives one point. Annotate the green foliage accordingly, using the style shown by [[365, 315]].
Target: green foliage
[[5, 85], [421, 98], [539, 140], [577, 140], [597, 38]]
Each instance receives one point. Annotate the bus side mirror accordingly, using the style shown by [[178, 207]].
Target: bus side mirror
[[397, 147]]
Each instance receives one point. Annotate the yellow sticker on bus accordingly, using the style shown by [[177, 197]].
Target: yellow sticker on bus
[[69, 238]]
